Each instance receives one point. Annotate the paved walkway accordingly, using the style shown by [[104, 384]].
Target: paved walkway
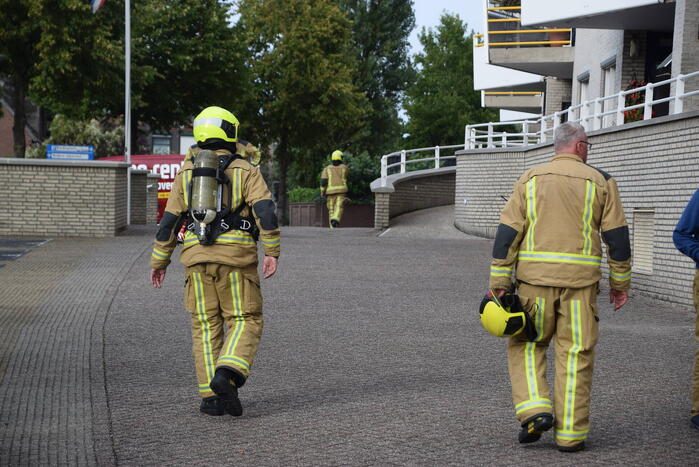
[[381, 361]]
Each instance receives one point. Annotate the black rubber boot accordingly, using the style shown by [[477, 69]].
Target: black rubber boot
[[334, 223], [212, 405], [534, 426], [224, 386], [574, 448], [695, 421]]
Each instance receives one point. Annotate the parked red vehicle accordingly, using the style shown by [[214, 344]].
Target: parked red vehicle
[[165, 165]]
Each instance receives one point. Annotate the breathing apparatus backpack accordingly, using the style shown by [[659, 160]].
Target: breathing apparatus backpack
[[209, 217]]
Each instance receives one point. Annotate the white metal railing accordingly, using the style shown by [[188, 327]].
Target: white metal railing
[[592, 115], [435, 159]]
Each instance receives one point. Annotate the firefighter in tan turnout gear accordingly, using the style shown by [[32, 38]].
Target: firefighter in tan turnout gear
[[227, 207], [548, 244], [333, 185]]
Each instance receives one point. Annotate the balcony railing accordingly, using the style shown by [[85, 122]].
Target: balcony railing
[[505, 30], [592, 115], [405, 160]]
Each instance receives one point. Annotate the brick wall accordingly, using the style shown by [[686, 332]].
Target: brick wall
[[62, 198], [557, 92], [655, 164], [412, 191]]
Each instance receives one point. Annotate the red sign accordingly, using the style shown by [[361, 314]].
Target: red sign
[[165, 165]]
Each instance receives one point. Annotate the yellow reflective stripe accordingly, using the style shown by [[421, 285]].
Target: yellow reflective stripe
[[530, 370], [533, 404], [205, 326], [572, 435], [186, 180], [540, 316], [337, 187], [531, 212], [238, 236], [273, 241], [232, 237], [572, 366], [237, 360], [160, 254], [500, 271], [620, 276], [237, 189], [587, 217], [204, 388], [237, 302], [553, 257]]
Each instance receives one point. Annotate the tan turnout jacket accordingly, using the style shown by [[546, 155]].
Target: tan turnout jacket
[[236, 247], [336, 175], [550, 228]]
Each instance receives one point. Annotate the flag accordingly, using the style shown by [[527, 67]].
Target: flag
[[96, 5]]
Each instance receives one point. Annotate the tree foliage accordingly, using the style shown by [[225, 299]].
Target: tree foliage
[[442, 100], [302, 68], [185, 56], [380, 33]]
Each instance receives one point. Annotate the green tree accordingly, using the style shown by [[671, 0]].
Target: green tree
[[442, 100], [40, 39], [302, 67], [380, 35], [185, 56]]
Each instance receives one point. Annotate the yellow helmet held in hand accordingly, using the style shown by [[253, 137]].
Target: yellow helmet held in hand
[[337, 155], [215, 124], [504, 316]]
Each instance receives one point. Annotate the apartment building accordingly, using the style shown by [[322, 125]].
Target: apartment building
[[554, 54]]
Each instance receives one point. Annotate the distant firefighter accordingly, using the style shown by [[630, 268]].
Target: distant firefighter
[[333, 186]]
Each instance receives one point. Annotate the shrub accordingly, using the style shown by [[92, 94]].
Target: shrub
[[106, 136], [304, 195]]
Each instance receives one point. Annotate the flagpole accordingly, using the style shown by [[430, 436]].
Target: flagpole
[[127, 105]]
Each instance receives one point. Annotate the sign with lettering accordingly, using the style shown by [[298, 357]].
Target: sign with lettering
[[69, 152]]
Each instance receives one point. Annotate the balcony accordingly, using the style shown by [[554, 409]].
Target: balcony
[[649, 15], [518, 101], [541, 51]]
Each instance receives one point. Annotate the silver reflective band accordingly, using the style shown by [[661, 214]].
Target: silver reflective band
[[217, 122]]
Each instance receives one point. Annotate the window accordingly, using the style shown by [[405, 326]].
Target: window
[[643, 233], [161, 144], [583, 94], [608, 89]]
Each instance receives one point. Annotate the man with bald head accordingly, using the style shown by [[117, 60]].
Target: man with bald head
[[548, 246]]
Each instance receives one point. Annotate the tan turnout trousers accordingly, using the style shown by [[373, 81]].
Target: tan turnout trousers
[[695, 403], [336, 206], [569, 315], [216, 294]]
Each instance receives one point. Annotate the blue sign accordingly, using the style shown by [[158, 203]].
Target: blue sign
[[67, 152]]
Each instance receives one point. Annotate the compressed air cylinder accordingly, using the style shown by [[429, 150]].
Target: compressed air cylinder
[[204, 189]]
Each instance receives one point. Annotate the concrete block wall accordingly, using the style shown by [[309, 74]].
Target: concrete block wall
[[382, 202], [152, 198], [421, 193], [62, 198], [412, 191], [139, 180], [656, 167], [685, 47]]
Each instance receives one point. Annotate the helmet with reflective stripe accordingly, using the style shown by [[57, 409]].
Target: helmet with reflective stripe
[[215, 123], [504, 317], [337, 155]]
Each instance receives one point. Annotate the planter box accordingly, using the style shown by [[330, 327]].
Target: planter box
[[316, 215]]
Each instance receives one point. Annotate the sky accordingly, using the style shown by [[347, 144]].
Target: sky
[[428, 12]]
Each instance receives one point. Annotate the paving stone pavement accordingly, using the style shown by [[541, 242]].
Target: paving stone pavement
[[372, 354]]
